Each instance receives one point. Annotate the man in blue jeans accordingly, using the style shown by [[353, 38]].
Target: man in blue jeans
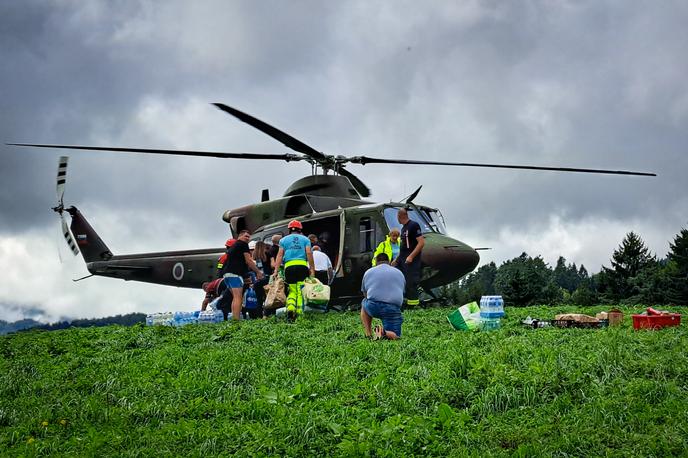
[[383, 288]]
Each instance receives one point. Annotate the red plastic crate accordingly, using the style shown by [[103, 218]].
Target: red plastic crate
[[656, 321]]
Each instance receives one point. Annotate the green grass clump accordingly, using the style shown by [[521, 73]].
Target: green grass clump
[[261, 388]]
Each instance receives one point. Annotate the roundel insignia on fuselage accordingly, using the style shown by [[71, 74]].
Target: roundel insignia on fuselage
[[178, 271]]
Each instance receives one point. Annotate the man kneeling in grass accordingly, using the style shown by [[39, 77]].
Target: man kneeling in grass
[[383, 288]]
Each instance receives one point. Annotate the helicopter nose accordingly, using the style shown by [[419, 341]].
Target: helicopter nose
[[448, 259]]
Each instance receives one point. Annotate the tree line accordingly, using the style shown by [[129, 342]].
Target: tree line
[[635, 276], [129, 319]]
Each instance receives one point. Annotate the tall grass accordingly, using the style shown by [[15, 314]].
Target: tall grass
[[319, 388]]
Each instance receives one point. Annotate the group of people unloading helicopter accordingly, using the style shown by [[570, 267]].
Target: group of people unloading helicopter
[[385, 290]]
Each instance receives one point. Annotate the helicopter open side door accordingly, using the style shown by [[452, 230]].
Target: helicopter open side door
[[330, 230]]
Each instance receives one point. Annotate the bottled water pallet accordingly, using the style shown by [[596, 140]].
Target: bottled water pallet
[[183, 318]]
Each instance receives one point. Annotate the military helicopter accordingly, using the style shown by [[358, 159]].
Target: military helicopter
[[329, 203]]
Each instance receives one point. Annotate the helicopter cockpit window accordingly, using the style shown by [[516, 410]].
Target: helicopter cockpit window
[[436, 219], [390, 214], [367, 232]]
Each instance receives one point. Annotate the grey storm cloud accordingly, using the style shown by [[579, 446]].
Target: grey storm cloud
[[579, 84]]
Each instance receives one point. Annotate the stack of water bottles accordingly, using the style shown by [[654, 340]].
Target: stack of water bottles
[[160, 319], [491, 310], [179, 319], [210, 316], [184, 318]]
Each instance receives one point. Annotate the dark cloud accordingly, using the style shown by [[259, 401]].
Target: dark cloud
[[596, 85]]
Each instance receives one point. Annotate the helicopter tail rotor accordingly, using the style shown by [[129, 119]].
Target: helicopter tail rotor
[[61, 180], [68, 236]]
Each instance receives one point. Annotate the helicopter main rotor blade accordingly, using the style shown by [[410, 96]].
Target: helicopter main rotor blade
[[372, 160], [282, 157], [362, 189], [282, 137], [297, 145]]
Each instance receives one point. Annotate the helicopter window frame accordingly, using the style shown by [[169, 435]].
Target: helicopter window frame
[[366, 229], [436, 221], [426, 227]]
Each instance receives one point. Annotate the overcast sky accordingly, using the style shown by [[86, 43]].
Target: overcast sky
[[596, 84]]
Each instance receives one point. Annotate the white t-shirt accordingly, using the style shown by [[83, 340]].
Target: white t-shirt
[[321, 261]]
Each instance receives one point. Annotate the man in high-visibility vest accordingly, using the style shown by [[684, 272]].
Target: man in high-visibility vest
[[295, 252]]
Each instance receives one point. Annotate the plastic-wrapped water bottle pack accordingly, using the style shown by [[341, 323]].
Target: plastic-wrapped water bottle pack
[[160, 319], [183, 318], [210, 316], [491, 310], [491, 307]]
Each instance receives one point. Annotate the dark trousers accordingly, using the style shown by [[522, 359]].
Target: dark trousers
[[225, 302], [259, 288], [322, 276], [411, 273]]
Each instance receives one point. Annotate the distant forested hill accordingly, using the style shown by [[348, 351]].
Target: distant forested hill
[[6, 327], [124, 320]]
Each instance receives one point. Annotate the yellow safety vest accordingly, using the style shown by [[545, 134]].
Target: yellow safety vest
[[384, 247]]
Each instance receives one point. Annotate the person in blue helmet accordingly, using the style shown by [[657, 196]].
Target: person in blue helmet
[[295, 252]]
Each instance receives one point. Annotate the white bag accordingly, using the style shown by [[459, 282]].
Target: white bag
[[315, 293]]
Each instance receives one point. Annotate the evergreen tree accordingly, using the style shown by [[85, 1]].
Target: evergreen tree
[[524, 281], [560, 274], [677, 269], [650, 286], [583, 277], [566, 276], [628, 261], [584, 296], [474, 285]]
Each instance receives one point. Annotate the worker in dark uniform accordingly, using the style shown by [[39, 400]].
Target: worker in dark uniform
[[295, 251], [412, 242]]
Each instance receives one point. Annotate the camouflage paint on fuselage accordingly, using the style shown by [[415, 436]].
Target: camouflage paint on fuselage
[[357, 226]]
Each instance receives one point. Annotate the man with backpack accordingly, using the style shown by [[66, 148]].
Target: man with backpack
[[239, 261]]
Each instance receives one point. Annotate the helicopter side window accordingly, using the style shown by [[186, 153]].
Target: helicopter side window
[[367, 232]]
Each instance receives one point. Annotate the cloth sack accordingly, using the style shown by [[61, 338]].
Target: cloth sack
[[275, 297], [466, 317], [314, 292]]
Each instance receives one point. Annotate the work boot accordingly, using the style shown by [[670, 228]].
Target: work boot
[[291, 313]]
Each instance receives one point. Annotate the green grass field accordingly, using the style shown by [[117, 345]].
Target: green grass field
[[260, 388]]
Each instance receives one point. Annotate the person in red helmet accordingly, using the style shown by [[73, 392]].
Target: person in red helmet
[[295, 252]]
